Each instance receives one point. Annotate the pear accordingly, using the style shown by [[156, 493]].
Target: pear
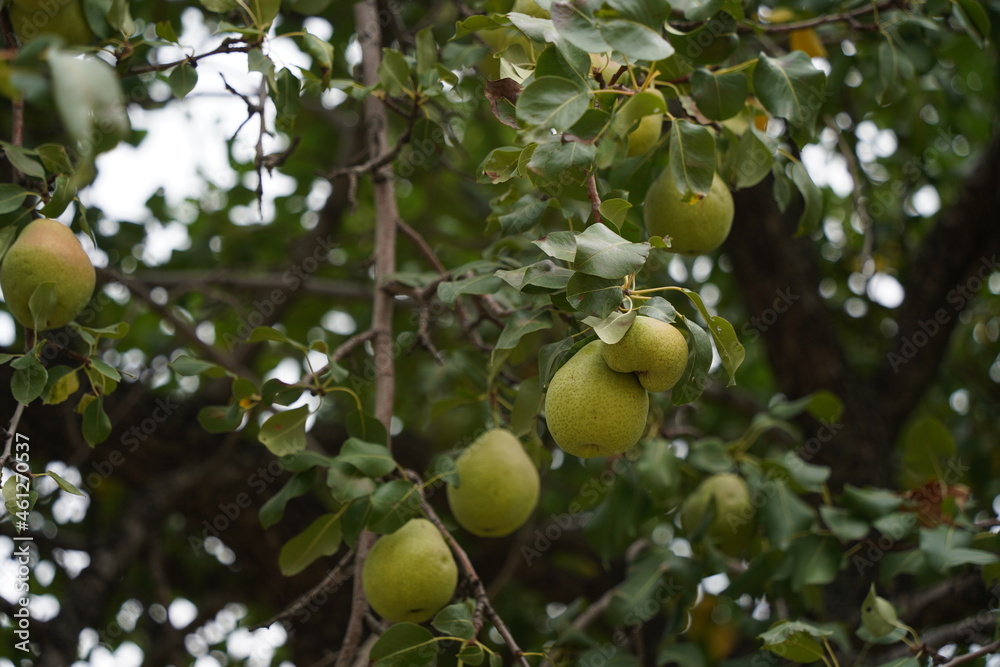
[[655, 351], [65, 18], [498, 485], [410, 575], [592, 410], [694, 229], [732, 527], [647, 132], [47, 251]]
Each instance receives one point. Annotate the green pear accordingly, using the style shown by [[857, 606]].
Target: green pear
[[47, 251], [694, 228], [732, 527], [498, 485], [65, 18], [647, 132], [655, 351], [531, 8], [592, 410], [410, 575]]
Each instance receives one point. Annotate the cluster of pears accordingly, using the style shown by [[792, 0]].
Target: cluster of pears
[[411, 574], [732, 525], [47, 252], [597, 404]]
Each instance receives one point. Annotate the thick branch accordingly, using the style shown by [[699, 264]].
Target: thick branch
[[953, 262], [386, 214]]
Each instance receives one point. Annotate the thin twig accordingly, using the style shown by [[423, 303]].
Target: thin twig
[[422, 245], [850, 17], [11, 433], [470, 573], [335, 577], [139, 289], [229, 45], [978, 653], [595, 199]]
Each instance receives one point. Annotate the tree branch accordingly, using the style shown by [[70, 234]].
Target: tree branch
[[470, 573], [386, 216]]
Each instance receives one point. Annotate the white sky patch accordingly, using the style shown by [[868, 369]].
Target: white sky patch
[[828, 168], [715, 584], [926, 201], [885, 290], [181, 613]]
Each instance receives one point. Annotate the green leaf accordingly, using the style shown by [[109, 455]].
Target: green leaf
[[600, 252], [11, 198], [521, 325], [785, 516], [62, 483], [471, 654], [795, 640], [612, 328], [926, 443], [320, 50], [695, 377], [578, 28], [271, 511], [347, 484], [541, 277], [321, 538], [63, 195], [456, 620], [105, 369], [393, 504], [730, 349], [500, 165], [29, 380], [285, 432], [710, 455], [306, 460], [790, 87], [405, 645], [394, 73], [165, 31], [635, 40], [615, 211], [558, 245], [96, 423], [270, 334], [364, 426], [816, 561], [974, 19], [593, 295], [751, 161], [61, 383], [870, 503], [719, 96], [189, 366], [691, 159], [806, 476], [523, 215], [550, 358], [23, 160], [182, 80], [846, 527], [812, 212], [555, 163], [660, 309], [370, 459], [945, 547], [89, 97], [553, 102], [42, 304], [482, 284], [220, 418], [287, 99]]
